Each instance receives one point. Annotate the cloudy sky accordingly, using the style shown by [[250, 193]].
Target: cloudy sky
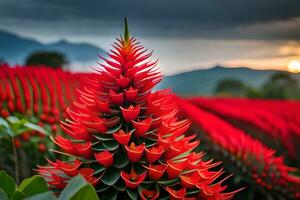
[[184, 35]]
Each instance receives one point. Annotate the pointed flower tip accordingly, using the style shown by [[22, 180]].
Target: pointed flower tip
[[126, 33]]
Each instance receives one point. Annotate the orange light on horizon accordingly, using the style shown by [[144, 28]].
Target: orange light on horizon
[[294, 66]]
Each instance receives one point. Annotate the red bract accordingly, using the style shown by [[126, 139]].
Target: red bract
[[134, 152], [105, 158], [122, 137], [130, 135], [132, 179], [253, 157]]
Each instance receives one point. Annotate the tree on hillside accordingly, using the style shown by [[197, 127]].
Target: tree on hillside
[[281, 85], [51, 59], [231, 87]]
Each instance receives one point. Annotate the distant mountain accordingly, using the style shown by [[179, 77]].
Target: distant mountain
[[205, 81], [14, 49]]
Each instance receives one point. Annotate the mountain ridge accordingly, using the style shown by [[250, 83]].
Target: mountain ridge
[[15, 49]]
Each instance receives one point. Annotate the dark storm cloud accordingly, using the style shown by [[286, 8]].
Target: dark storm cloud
[[202, 18]]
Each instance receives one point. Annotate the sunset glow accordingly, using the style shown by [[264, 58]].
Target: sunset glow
[[294, 66]]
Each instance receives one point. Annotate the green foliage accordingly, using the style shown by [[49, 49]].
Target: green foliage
[[35, 188], [29, 187], [14, 126], [281, 85], [232, 87], [51, 59]]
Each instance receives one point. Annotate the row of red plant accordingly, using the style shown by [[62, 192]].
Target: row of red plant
[[259, 162], [275, 119]]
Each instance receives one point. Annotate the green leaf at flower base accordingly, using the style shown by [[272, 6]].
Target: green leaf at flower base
[[114, 129], [43, 196], [99, 147], [32, 186], [120, 185], [192, 191], [7, 184], [132, 194], [111, 176], [103, 137], [168, 182], [101, 188], [3, 195], [98, 168], [121, 159], [110, 194], [111, 145]]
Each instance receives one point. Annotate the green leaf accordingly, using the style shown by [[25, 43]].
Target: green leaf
[[32, 186], [120, 185], [132, 194], [98, 168], [75, 185], [121, 159], [7, 184], [3, 123], [35, 127], [114, 129], [192, 191], [18, 196], [103, 137], [3, 195], [101, 188], [12, 119], [99, 147], [86, 192], [111, 145], [111, 176], [168, 182], [110, 194], [43, 196]]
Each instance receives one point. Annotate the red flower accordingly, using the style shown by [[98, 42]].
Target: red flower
[[87, 173], [142, 126], [123, 81], [175, 168], [133, 180], [134, 152], [116, 98], [155, 172], [176, 194], [71, 169], [131, 94], [122, 137], [153, 153], [130, 113], [149, 194], [105, 158], [77, 149]]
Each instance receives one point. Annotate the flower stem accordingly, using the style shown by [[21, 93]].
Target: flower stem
[[16, 162]]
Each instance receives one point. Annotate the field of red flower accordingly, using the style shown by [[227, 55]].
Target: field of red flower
[[118, 139]]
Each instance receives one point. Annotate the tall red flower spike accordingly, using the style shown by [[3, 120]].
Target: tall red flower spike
[[129, 137], [252, 159]]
